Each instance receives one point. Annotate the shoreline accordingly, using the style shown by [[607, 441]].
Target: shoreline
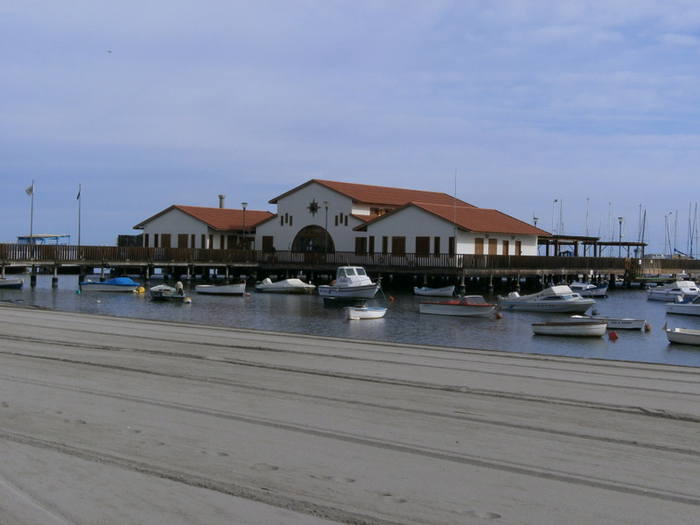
[[113, 419]]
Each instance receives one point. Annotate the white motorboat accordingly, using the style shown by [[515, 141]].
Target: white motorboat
[[615, 323], [669, 292], [164, 292], [579, 328], [589, 289], [118, 284], [684, 305], [445, 291], [351, 282], [15, 283], [467, 306], [553, 299], [364, 312], [285, 286], [684, 336], [221, 289]]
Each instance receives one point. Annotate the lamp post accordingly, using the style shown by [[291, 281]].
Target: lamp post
[[325, 234], [554, 204], [619, 246], [244, 205]]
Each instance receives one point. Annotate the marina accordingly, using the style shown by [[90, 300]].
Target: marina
[[403, 324]]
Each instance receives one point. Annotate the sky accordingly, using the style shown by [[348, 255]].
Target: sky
[[574, 113]]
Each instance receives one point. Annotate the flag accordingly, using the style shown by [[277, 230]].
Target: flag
[[30, 189]]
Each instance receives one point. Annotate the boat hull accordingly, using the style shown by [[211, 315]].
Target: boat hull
[[615, 323], [571, 328], [364, 312], [446, 291], [367, 291], [11, 283], [457, 310], [564, 307], [221, 289], [684, 336]]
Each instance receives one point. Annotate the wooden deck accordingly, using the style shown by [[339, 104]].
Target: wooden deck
[[196, 261]]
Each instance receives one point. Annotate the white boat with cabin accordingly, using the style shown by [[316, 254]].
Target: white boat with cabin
[[351, 282], [589, 289], [467, 306], [684, 306], [579, 328], [669, 292], [558, 298]]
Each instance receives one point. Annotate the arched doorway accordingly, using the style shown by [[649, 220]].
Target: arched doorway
[[313, 239]]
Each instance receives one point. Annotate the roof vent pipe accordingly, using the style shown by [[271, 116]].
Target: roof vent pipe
[[222, 200]]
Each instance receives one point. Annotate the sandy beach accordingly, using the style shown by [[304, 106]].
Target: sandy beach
[[107, 420]]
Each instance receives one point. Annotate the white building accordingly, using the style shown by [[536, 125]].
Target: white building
[[367, 219]]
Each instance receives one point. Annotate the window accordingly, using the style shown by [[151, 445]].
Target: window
[[182, 240], [385, 245], [451, 247], [423, 246], [436, 246], [165, 241], [371, 245], [398, 245], [360, 245], [267, 243]]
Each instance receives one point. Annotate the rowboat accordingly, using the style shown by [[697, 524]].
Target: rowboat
[[467, 306], [221, 289], [364, 312], [163, 292], [684, 336], [581, 328], [15, 283], [615, 323], [118, 284], [296, 286], [445, 291], [351, 282], [553, 299]]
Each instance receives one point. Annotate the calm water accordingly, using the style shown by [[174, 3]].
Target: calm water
[[402, 323]]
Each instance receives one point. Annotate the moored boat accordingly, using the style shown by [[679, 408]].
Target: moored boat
[[669, 292], [684, 306], [295, 286], [553, 299], [164, 292], [615, 323], [445, 291], [467, 306], [117, 284], [364, 312], [684, 336], [589, 289], [351, 282], [580, 328], [11, 283], [221, 289]]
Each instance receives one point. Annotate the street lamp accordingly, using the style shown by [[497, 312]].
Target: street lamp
[[325, 235], [619, 246], [244, 205]]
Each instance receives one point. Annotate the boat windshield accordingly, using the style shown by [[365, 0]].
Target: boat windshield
[[350, 272], [361, 271]]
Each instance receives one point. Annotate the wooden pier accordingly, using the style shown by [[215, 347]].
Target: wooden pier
[[200, 263]]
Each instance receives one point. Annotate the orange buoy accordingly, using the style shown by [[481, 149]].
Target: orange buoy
[[391, 297], [613, 336], [647, 327], [499, 315]]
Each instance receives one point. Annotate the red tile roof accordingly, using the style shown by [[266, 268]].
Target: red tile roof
[[381, 195], [478, 220], [223, 219]]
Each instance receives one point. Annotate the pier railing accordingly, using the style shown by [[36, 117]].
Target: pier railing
[[115, 256]]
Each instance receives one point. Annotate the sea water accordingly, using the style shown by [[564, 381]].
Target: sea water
[[307, 314]]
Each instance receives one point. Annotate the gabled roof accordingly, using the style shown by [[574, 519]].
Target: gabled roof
[[471, 219], [222, 219], [380, 195]]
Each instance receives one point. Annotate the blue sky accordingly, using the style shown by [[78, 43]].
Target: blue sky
[[515, 104]]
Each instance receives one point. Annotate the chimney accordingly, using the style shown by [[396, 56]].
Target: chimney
[[222, 201]]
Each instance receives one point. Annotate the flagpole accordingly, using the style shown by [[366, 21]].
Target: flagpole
[[79, 203]]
